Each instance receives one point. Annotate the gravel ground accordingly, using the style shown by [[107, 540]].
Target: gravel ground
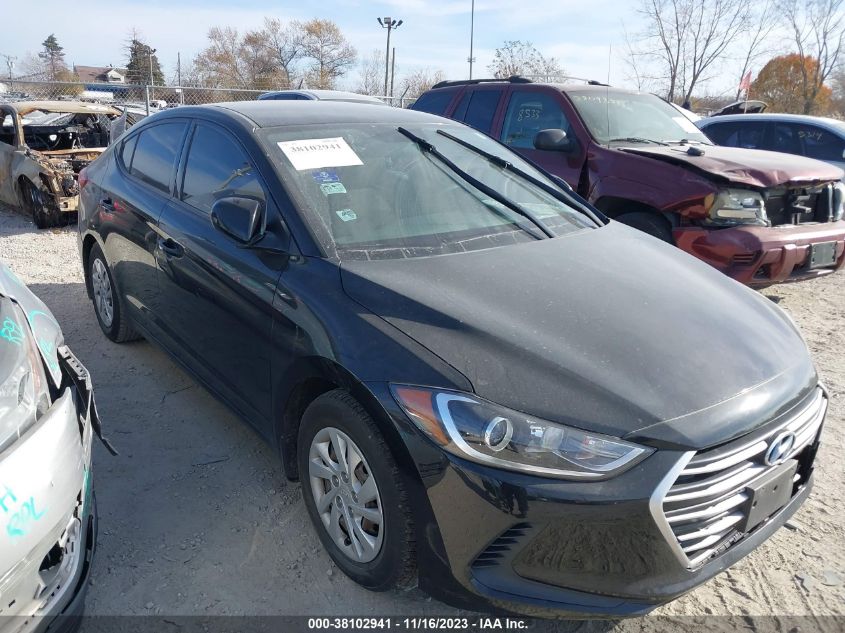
[[196, 517]]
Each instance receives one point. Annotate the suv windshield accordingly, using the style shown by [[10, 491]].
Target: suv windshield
[[630, 117], [369, 191]]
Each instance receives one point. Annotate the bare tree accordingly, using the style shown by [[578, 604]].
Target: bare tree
[[371, 74], [516, 57], [689, 37], [330, 53], [234, 61], [417, 82], [817, 29], [286, 45], [757, 39], [218, 64]]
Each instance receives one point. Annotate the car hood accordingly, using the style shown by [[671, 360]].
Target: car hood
[[608, 330], [751, 167]]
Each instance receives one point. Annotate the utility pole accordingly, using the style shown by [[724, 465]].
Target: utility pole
[[179, 69], [389, 24], [471, 59], [392, 73], [152, 79]]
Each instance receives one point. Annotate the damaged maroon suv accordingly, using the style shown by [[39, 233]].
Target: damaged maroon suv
[[760, 217]]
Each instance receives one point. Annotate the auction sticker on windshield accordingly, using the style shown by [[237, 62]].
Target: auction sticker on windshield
[[315, 153]]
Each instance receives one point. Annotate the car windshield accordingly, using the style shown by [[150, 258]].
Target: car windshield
[[368, 191], [632, 117]]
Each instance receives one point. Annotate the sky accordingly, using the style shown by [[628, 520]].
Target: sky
[[587, 38]]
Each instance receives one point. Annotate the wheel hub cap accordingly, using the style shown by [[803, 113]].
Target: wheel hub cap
[[346, 495]]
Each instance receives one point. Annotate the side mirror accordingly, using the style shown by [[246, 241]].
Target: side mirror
[[553, 140], [239, 217]]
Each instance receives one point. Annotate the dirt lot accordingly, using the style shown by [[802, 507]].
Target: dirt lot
[[197, 518]]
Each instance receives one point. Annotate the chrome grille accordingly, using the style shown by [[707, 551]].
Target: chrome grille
[[706, 502]]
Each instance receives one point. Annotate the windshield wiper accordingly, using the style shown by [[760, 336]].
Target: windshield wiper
[[507, 165], [489, 191], [636, 139]]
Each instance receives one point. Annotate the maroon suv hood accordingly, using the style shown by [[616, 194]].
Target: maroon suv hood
[[752, 167]]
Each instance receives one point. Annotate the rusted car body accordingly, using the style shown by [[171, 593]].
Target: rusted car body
[[41, 156]]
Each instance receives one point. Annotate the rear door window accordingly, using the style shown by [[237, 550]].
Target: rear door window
[[481, 109], [126, 151], [821, 144], [750, 135], [528, 113], [217, 167], [783, 137], [154, 160], [434, 102]]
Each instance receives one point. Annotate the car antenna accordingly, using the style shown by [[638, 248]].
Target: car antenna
[[607, 89]]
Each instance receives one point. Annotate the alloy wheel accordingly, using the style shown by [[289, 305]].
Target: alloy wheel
[[346, 495], [101, 285]]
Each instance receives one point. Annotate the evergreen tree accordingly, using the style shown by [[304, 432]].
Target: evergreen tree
[[138, 66], [53, 57]]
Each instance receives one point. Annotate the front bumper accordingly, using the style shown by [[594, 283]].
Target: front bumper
[[49, 519], [513, 543], [760, 256]]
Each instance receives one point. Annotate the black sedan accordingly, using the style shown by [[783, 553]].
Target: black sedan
[[479, 380]]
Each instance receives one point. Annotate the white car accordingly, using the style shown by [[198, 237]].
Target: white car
[[48, 418], [811, 136]]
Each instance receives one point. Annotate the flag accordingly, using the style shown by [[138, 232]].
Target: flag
[[745, 82]]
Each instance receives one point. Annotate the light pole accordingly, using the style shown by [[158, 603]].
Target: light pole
[[471, 59], [152, 80], [389, 24]]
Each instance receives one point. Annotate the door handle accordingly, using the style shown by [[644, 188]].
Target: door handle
[[107, 204], [170, 247]]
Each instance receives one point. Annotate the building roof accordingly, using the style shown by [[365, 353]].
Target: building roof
[[92, 74]]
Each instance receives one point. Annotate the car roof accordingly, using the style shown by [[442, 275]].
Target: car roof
[[327, 95], [269, 113], [825, 122], [563, 87], [68, 107]]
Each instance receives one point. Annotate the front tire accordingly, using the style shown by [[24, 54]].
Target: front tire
[[108, 302], [355, 493], [43, 212]]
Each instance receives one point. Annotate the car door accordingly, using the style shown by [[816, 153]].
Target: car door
[[217, 294], [131, 196], [534, 108], [10, 139]]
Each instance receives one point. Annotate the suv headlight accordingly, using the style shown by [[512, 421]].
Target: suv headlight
[[738, 206], [24, 392], [483, 432]]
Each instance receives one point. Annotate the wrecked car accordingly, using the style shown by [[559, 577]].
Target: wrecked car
[[43, 147], [47, 510], [759, 217]]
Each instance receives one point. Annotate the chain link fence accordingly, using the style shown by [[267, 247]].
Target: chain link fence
[[139, 97]]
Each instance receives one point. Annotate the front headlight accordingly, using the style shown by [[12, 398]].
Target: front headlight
[[481, 431], [738, 206], [24, 392]]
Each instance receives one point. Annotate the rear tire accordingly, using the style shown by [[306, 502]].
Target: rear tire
[[651, 223], [109, 305], [336, 430], [43, 211]]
